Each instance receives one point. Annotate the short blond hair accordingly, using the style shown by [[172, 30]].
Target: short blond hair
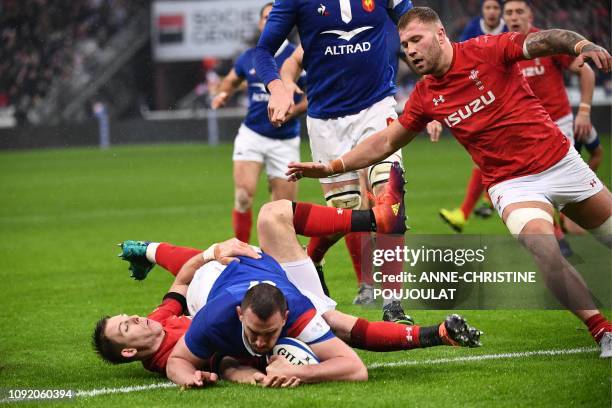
[[422, 14]]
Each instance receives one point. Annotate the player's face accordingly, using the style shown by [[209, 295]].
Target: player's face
[[421, 43], [264, 18], [133, 331], [261, 335], [518, 16], [491, 12]]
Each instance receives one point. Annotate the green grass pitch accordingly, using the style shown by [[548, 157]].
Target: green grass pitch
[[63, 211]]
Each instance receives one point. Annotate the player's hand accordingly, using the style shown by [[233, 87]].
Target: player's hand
[[200, 379], [278, 366], [281, 103], [582, 126], [227, 251], [219, 100], [298, 170], [274, 381], [434, 130], [293, 88], [600, 57]]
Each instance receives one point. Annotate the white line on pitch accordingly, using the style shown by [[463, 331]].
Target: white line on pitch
[[482, 357]]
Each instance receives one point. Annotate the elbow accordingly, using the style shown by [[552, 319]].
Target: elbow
[[359, 372]]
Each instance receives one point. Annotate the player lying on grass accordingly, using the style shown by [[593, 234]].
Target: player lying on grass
[[223, 323], [477, 90]]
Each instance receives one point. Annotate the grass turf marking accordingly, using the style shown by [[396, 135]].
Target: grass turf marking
[[483, 357]]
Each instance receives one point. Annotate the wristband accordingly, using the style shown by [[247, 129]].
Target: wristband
[[580, 45], [337, 166], [209, 254], [584, 109]]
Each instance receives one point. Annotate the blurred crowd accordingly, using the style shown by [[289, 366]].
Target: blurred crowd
[[46, 40], [42, 40]]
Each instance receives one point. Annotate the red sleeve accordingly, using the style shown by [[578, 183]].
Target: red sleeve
[[413, 118], [503, 49], [168, 308], [564, 61]]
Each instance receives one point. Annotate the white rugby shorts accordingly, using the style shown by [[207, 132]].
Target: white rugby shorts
[[569, 181], [274, 153], [331, 138]]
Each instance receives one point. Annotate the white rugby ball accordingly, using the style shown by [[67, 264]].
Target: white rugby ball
[[295, 351]]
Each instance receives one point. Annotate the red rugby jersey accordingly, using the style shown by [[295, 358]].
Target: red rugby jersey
[[175, 324], [490, 109], [545, 78]]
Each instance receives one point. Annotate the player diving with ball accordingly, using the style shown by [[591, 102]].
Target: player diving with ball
[[243, 300]]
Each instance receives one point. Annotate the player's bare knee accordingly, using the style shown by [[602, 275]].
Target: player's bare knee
[[243, 199], [273, 213]]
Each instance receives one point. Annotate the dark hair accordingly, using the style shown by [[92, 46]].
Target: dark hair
[[527, 2], [104, 347], [423, 14], [264, 300], [268, 4]]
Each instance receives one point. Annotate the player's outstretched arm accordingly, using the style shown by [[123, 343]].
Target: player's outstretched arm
[[372, 150], [182, 368], [582, 123], [557, 41], [338, 363], [227, 88]]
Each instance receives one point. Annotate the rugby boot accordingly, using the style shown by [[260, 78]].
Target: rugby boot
[[389, 210], [455, 331], [135, 252]]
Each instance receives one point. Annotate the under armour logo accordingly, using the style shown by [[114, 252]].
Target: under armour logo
[[474, 75], [340, 211], [438, 100], [593, 183]]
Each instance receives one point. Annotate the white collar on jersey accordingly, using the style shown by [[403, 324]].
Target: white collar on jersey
[[496, 30], [281, 48]]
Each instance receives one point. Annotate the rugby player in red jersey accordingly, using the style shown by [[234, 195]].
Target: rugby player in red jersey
[[476, 88], [545, 77]]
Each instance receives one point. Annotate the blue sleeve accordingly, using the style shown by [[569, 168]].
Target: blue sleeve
[[397, 8], [280, 22], [196, 338], [469, 31], [239, 65]]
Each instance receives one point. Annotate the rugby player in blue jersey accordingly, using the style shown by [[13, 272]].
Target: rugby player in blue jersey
[[350, 88], [258, 143], [491, 21], [243, 308]]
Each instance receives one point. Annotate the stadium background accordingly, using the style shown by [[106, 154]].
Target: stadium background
[[64, 208]]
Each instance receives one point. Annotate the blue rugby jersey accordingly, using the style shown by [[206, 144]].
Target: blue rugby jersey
[[217, 328], [475, 29], [345, 51], [257, 115]]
